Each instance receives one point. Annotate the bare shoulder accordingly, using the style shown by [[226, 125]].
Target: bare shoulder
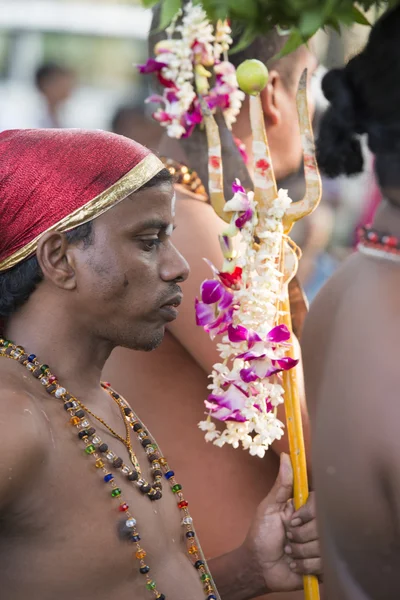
[[23, 437]]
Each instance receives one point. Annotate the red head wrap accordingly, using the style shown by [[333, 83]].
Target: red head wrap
[[59, 178]]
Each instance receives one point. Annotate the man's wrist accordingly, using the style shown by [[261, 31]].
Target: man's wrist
[[237, 575]]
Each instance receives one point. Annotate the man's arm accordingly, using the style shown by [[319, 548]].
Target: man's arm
[[196, 237], [281, 546], [23, 446]]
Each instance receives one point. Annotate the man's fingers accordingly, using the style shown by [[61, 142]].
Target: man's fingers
[[303, 534], [306, 513], [282, 491], [303, 551], [309, 566]]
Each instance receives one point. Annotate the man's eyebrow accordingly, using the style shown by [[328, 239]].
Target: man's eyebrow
[[153, 224]]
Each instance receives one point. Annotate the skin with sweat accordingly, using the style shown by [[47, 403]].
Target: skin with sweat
[[58, 523], [226, 485]]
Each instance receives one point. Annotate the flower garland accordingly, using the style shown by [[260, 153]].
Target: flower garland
[[185, 65], [241, 303]]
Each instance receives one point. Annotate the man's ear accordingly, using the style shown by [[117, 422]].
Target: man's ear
[[269, 99], [55, 261]]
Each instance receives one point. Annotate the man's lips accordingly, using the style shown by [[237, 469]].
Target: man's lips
[[170, 308], [174, 302]]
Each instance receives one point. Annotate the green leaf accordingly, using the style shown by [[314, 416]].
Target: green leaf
[[248, 36], [310, 22], [169, 9], [246, 11], [334, 23], [149, 3], [359, 17], [295, 41]]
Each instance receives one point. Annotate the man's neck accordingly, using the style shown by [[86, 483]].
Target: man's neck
[[76, 358]]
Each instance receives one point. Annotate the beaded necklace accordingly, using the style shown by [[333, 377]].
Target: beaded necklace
[[379, 245], [100, 453]]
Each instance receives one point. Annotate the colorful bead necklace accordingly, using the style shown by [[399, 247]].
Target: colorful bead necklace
[[371, 238], [378, 245], [99, 451]]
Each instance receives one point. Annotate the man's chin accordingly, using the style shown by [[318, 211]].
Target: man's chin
[[148, 344]]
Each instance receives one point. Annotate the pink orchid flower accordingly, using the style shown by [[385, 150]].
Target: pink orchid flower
[[239, 204], [151, 66], [228, 406], [215, 310]]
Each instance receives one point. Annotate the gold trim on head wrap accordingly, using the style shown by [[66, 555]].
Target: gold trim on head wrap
[[129, 183]]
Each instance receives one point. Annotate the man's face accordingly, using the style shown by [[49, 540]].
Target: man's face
[[128, 278], [59, 88]]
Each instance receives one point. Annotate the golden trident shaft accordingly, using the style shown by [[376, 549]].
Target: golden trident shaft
[[265, 192]]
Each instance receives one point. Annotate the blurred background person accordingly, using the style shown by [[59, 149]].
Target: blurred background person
[[132, 121], [56, 85]]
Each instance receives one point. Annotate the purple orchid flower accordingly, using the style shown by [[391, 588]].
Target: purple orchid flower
[[279, 334], [244, 218], [248, 375], [236, 187], [215, 310], [228, 406], [243, 334], [151, 66]]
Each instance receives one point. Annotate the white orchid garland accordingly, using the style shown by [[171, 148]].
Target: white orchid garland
[[241, 304], [185, 65]]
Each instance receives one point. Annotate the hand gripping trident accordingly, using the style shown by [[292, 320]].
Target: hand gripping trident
[[265, 192]]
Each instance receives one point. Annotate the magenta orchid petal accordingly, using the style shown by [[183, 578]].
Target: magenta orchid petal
[[236, 416], [151, 66], [162, 116], [226, 299], [279, 334], [248, 375], [171, 96], [237, 334], [218, 100], [211, 291], [204, 313], [194, 118], [236, 187], [287, 363], [273, 371], [189, 130], [244, 218], [252, 338], [250, 356], [224, 414]]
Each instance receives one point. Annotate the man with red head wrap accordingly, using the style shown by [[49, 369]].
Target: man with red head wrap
[[86, 264]]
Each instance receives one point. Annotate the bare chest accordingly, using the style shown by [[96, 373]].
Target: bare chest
[[68, 537]]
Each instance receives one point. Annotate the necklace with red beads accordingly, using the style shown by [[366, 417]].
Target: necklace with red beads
[[106, 461], [379, 245]]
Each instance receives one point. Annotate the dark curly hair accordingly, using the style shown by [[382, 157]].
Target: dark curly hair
[[17, 284], [365, 99]]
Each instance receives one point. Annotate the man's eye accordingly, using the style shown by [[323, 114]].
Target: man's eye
[[149, 245]]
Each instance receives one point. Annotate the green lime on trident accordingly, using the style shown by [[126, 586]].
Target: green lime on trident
[[252, 76]]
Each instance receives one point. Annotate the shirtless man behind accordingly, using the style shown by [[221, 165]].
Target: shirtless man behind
[[86, 264], [175, 376], [351, 340]]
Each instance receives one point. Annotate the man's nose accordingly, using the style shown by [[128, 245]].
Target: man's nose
[[175, 267]]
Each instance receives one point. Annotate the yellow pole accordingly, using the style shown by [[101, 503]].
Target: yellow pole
[[296, 444]]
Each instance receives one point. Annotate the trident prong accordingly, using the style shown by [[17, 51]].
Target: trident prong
[[313, 193]]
